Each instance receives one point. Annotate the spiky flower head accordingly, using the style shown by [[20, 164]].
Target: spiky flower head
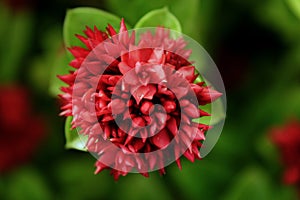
[[135, 98]]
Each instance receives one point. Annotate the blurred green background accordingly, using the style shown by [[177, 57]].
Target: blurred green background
[[256, 46]]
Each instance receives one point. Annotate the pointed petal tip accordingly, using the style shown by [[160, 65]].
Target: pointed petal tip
[[111, 30], [146, 174], [122, 26], [214, 95], [179, 164]]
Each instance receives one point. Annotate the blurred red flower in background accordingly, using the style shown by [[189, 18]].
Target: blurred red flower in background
[[287, 139], [20, 129]]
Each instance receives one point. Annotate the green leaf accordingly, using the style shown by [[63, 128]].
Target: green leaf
[[60, 67], [219, 113], [73, 140], [160, 17], [199, 79], [295, 7], [187, 11], [77, 19]]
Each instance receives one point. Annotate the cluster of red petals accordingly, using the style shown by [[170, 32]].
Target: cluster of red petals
[[128, 84], [287, 139], [21, 131]]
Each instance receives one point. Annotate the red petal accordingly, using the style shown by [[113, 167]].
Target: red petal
[[112, 49], [172, 126], [152, 161], [89, 32], [161, 118], [100, 167], [189, 156], [169, 106], [107, 132], [203, 113], [68, 78], [145, 107], [146, 92], [79, 52], [118, 106], [138, 122], [187, 72], [162, 171], [84, 40], [161, 139], [179, 164], [93, 67], [206, 95], [122, 26], [123, 67], [151, 92], [191, 110], [138, 144], [111, 31]]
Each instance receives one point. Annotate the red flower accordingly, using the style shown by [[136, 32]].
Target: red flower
[[136, 102], [287, 139], [20, 130]]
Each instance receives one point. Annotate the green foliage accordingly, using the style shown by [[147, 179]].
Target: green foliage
[[294, 6], [143, 188], [160, 17], [53, 61], [274, 14], [201, 179], [186, 11], [78, 18], [73, 140], [15, 38], [60, 66], [252, 183], [268, 151], [27, 184], [75, 179]]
